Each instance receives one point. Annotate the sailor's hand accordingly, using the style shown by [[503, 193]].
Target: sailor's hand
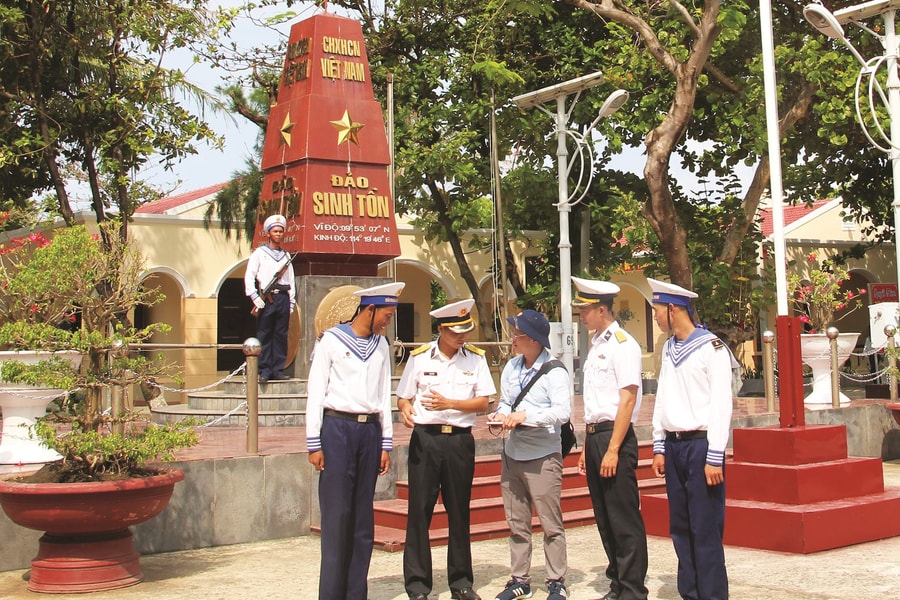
[[317, 459], [659, 465], [259, 303], [406, 411], [714, 475]]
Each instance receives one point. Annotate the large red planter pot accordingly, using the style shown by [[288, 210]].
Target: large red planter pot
[[895, 410], [87, 545]]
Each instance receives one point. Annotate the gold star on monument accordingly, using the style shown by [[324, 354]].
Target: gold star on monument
[[347, 129], [285, 130]]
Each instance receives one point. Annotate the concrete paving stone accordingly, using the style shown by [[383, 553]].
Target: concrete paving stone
[[289, 569]]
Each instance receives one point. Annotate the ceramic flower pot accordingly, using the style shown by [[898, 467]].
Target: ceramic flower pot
[[22, 405], [87, 545], [815, 350]]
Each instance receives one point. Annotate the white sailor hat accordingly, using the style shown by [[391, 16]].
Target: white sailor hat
[[457, 317], [669, 293], [591, 291], [274, 221], [380, 295]]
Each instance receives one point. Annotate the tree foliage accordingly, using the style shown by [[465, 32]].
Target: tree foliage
[[694, 73], [84, 98]]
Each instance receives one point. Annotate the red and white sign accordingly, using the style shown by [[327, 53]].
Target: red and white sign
[[883, 292]]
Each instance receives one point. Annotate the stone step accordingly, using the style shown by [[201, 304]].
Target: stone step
[[390, 539], [282, 403], [221, 402], [287, 387], [489, 486], [488, 519]]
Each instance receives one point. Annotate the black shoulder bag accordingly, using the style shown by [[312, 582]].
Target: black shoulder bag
[[566, 430]]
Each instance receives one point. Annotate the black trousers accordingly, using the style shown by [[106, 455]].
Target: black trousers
[[444, 463], [617, 510], [272, 331]]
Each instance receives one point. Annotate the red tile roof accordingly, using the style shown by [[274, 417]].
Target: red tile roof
[[792, 213], [161, 206]]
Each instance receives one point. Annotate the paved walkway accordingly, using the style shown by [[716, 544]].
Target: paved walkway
[[288, 569]]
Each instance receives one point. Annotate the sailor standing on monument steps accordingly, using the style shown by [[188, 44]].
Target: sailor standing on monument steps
[[273, 309]]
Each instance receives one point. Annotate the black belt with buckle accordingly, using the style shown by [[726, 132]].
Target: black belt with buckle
[[681, 436], [445, 429], [598, 427], [348, 416]]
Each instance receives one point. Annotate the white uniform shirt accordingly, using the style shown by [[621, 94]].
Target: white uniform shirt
[[340, 380], [612, 363], [262, 266], [695, 394], [464, 376]]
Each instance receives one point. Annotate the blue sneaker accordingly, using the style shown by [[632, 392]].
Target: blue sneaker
[[515, 588], [556, 590]]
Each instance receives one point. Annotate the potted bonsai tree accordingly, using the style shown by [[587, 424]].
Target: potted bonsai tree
[[822, 298], [71, 293]]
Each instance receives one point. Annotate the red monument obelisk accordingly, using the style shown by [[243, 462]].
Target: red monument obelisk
[[325, 168], [326, 157]]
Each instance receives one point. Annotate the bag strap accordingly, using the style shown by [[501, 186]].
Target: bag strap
[[548, 365]]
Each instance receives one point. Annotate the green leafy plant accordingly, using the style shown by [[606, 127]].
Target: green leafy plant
[[822, 294], [623, 316], [751, 373], [70, 292]]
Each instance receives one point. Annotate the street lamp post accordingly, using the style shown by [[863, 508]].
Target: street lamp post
[[560, 93], [831, 24]]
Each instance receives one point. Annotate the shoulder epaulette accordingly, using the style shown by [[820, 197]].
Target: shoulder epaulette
[[620, 335], [420, 349], [717, 344], [474, 349]]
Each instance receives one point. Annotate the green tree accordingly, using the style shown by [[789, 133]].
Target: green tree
[[84, 96], [695, 77]]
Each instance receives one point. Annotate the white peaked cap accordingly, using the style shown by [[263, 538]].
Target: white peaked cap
[[457, 316], [591, 291]]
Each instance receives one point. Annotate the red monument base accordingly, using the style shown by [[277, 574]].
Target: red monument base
[[794, 489]]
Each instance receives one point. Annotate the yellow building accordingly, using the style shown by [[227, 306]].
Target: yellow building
[[200, 271]]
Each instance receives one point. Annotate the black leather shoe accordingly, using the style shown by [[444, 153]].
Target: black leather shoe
[[280, 377], [610, 595], [419, 597], [263, 380], [464, 594]]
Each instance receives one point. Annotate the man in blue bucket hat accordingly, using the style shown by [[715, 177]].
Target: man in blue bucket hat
[[534, 402]]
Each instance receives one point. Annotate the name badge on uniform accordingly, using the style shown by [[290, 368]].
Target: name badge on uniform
[[430, 373]]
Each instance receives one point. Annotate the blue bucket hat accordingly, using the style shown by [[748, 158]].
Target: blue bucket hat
[[534, 325]]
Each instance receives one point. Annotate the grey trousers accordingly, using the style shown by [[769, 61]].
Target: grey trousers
[[536, 483]]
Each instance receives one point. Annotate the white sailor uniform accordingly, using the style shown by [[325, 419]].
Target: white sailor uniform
[[691, 421], [348, 417], [614, 363]]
